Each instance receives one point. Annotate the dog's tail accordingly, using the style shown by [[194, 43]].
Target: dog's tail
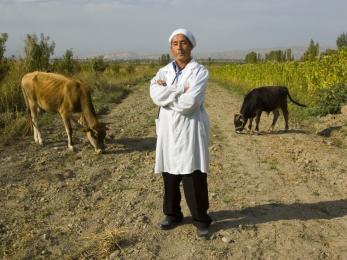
[[295, 102]]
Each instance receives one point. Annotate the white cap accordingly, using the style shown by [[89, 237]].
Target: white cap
[[186, 33]]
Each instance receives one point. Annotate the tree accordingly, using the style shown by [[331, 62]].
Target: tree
[[3, 40], [68, 62], [341, 41], [164, 59], [38, 52], [3, 62], [312, 52], [289, 55], [99, 64], [251, 57], [276, 55]]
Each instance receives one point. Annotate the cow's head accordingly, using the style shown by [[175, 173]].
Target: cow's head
[[239, 123], [96, 136]]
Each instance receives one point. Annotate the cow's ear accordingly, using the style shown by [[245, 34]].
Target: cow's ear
[[236, 116]]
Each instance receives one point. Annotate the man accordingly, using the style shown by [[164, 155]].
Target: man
[[182, 134]]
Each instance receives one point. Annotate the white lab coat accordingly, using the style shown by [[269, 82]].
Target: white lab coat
[[183, 124]]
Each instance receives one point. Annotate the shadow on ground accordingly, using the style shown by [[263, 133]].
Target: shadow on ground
[[327, 131], [128, 145], [226, 219], [277, 132]]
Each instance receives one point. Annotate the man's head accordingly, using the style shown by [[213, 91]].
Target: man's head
[[182, 42]]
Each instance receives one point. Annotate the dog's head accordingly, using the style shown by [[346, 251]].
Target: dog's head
[[239, 123]]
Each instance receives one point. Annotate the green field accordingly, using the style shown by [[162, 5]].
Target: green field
[[321, 84]]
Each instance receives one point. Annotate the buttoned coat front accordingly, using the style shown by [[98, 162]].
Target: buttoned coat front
[[182, 125]]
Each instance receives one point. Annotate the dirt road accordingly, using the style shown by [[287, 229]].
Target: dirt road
[[272, 196]]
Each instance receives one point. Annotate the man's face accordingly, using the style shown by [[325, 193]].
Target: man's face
[[181, 48]]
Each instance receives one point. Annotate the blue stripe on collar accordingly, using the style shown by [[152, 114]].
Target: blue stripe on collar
[[177, 71]]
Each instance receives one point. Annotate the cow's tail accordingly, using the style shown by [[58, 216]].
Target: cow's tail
[[29, 122], [295, 102]]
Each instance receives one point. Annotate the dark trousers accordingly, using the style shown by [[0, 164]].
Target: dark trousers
[[196, 194]]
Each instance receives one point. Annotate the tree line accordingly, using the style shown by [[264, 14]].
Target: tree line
[[38, 53], [310, 54]]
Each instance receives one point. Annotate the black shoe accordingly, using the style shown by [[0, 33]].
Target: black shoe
[[170, 222], [202, 233]]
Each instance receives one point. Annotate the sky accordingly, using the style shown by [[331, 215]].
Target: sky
[[96, 27]]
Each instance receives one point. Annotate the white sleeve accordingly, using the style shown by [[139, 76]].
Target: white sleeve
[[163, 95], [194, 97]]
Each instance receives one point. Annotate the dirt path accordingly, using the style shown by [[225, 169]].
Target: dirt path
[[272, 196]]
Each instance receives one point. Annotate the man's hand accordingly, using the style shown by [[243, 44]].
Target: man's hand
[[161, 82]]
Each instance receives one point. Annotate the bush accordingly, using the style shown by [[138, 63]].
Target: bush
[[99, 64], [115, 67], [11, 98], [4, 67], [329, 100]]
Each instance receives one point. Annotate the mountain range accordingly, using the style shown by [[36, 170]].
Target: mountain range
[[222, 55]]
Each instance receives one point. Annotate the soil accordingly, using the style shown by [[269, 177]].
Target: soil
[[279, 195]]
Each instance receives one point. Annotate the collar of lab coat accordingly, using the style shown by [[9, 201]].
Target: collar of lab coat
[[190, 66]]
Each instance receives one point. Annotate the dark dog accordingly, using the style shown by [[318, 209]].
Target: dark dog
[[268, 99]]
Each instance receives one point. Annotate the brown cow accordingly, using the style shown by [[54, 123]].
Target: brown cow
[[59, 94]]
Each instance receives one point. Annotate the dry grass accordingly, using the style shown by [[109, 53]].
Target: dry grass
[[13, 125], [100, 246]]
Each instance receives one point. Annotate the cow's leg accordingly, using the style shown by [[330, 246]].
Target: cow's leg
[[286, 116], [68, 129], [34, 119], [276, 115], [257, 120], [250, 124]]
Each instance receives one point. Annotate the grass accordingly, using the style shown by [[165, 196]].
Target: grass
[[100, 246], [11, 126], [44, 213], [150, 205]]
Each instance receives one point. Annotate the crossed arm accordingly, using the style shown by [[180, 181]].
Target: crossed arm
[[183, 98]]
